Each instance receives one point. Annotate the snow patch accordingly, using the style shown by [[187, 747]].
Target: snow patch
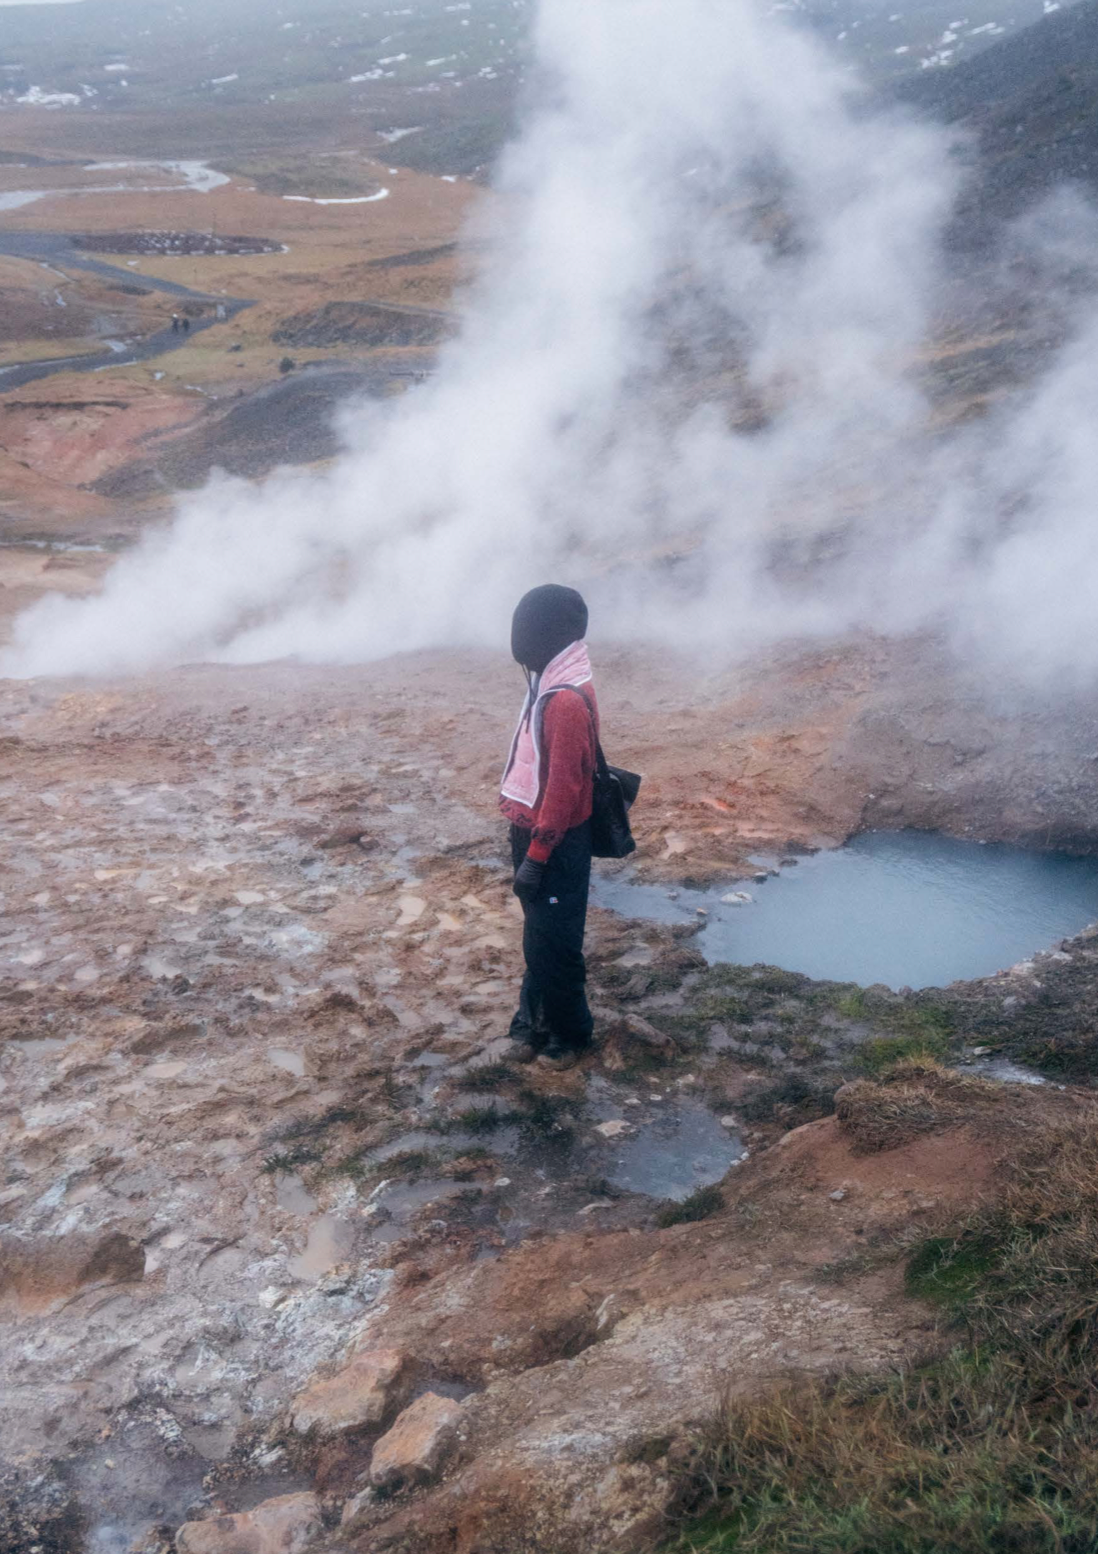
[[358, 199], [38, 97]]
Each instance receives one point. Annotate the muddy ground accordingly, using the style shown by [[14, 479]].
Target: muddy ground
[[260, 954]]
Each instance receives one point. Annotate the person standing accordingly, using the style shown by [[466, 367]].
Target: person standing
[[547, 794]]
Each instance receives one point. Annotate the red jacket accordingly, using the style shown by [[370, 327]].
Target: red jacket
[[569, 737]]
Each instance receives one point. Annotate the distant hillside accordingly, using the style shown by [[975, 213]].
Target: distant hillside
[[1032, 102]]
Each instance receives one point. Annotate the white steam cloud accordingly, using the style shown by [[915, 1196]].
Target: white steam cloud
[[684, 381]]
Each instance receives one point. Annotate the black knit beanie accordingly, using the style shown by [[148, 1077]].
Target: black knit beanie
[[548, 620]]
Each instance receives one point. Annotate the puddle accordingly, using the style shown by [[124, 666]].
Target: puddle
[[1004, 1071], [293, 1195], [420, 1139], [167, 1070], [402, 1202], [39, 1046], [655, 1143], [160, 969], [905, 908], [292, 1062], [330, 1243], [673, 1145]]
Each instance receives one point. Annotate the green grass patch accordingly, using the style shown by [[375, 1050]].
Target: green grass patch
[[803, 1012], [853, 1005], [283, 1161], [490, 1076], [702, 1204], [302, 1128], [1073, 1056], [547, 1116], [881, 1053], [408, 1163], [951, 1271], [988, 1448], [477, 1120], [892, 1014]]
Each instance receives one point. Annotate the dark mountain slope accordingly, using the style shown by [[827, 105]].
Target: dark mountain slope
[[1032, 105]]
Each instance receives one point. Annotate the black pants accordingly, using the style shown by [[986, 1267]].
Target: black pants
[[553, 1003]]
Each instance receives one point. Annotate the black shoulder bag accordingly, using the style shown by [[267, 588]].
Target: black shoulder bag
[[615, 794]]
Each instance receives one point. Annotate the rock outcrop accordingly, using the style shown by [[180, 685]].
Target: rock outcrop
[[415, 1448], [359, 1397], [285, 1525]]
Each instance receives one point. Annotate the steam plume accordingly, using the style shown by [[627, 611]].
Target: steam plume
[[699, 197]]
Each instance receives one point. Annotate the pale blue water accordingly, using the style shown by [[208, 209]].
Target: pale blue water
[[906, 908]]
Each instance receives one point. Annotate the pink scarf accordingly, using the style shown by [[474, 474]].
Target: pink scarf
[[522, 774]]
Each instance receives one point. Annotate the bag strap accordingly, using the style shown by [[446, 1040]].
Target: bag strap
[[600, 759]]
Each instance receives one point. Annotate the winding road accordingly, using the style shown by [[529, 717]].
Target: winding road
[[56, 248]]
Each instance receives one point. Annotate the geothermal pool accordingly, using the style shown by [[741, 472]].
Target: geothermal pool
[[906, 908]]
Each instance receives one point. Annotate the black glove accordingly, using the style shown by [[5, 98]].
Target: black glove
[[528, 880]]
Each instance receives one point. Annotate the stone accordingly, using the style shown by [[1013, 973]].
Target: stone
[[356, 1507], [838, 1195], [344, 836], [416, 1447], [358, 1397], [615, 1129], [286, 1525], [633, 1028]]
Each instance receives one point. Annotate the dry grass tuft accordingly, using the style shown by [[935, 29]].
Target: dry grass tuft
[[990, 1448], [917, 1095]]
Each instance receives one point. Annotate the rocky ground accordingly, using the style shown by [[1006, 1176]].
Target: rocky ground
[[259, 958]]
